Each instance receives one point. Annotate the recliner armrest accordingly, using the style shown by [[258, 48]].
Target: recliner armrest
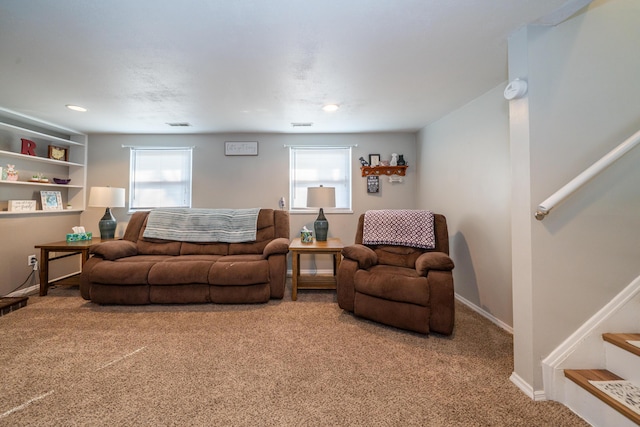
[[364, 256], [433, 261], [276, 246]]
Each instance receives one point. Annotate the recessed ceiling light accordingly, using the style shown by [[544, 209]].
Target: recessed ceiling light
[[329, 108], [76, 108], [179, 124], [301, 124]]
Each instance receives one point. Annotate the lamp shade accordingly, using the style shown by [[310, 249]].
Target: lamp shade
[[321, 197], [106, 197]]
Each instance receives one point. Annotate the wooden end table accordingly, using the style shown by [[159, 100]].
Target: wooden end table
[[80, 247], [333, 246]]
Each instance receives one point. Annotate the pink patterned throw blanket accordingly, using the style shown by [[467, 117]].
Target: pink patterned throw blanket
[[403, 227]]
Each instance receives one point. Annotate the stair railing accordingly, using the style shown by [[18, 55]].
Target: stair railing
[[545, 207]]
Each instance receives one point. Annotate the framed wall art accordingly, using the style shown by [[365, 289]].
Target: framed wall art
[[241, 148], [373, 184], [374, 159], [51, 200]]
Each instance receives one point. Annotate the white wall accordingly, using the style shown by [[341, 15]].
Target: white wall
[[582, 102], [464, 174], [221, 181]]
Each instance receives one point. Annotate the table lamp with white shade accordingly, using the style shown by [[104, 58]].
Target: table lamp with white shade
[[107, 197], [321, 197]]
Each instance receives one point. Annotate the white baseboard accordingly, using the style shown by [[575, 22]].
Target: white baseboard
[[36, 288], [484, 313], [26, 291], [525, 387]]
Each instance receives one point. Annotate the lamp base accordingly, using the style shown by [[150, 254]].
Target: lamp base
[[321, 227], [107, 225]]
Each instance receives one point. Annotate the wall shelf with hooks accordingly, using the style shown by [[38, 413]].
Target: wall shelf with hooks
[[384, 170]]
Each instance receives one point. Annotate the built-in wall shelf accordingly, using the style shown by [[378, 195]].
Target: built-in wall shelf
[[383, 170], [38, 159], [41, 212], [14, 127]]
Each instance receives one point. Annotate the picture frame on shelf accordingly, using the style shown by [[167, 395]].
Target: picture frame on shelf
[[373, 184], [374, 160], [51, 200], [58, 153]]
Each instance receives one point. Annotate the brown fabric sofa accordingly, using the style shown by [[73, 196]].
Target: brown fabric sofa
[[405, 287], [138, 270]]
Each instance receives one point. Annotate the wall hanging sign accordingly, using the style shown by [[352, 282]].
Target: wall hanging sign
[[241, 148], [373, 184], [51, 200], [21, 206]]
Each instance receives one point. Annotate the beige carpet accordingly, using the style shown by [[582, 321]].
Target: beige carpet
[[65, 361]]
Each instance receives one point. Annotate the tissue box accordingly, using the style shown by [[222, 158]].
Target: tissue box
[[306, 236], [77, 237]]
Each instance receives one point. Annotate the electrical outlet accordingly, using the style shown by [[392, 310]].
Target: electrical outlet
[[32, 260]]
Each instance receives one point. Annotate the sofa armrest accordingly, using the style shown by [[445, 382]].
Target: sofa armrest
[[114, 249], [276, 246], [433, 261], [363, 255]]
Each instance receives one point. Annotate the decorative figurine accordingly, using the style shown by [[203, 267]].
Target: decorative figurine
[[363, 162], [401, 161], [394, 159], [12, 173]]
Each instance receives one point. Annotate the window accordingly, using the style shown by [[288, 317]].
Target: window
[[315, 166], [160, 178]]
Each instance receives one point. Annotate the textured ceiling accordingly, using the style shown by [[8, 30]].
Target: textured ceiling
[[255, 66]]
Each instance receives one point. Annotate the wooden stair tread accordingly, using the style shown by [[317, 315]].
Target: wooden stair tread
[[582, 378], [620, 340]]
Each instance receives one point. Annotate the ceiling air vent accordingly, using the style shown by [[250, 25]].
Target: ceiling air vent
[[179, 124], [302, 124]]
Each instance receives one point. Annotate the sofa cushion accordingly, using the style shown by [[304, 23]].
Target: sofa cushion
[[400, 256], [122, 273], [393, 287], [147, 246], [179, 272], [266, 231], [218, 248], [230, 271], [114, 249]]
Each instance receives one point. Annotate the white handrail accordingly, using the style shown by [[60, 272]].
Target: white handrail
[[545, 207]]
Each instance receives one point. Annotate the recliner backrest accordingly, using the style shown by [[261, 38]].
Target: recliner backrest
[[440, 229]]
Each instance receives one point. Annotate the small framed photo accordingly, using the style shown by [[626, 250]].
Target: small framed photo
[[373, 184], [51, 200], [374, 159], [241, 148], [58, 153]]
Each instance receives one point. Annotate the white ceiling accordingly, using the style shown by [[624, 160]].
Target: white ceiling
[[254, 65]]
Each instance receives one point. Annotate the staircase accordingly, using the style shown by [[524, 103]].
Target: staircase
[[622, 362]]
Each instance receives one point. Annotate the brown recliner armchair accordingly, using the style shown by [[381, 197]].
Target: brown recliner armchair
[[406, 287]]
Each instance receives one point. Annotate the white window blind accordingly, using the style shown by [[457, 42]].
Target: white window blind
[[315, 166], [160, 177]]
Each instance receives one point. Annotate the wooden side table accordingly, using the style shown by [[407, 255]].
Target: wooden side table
[[80, 247], [333, 246]]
